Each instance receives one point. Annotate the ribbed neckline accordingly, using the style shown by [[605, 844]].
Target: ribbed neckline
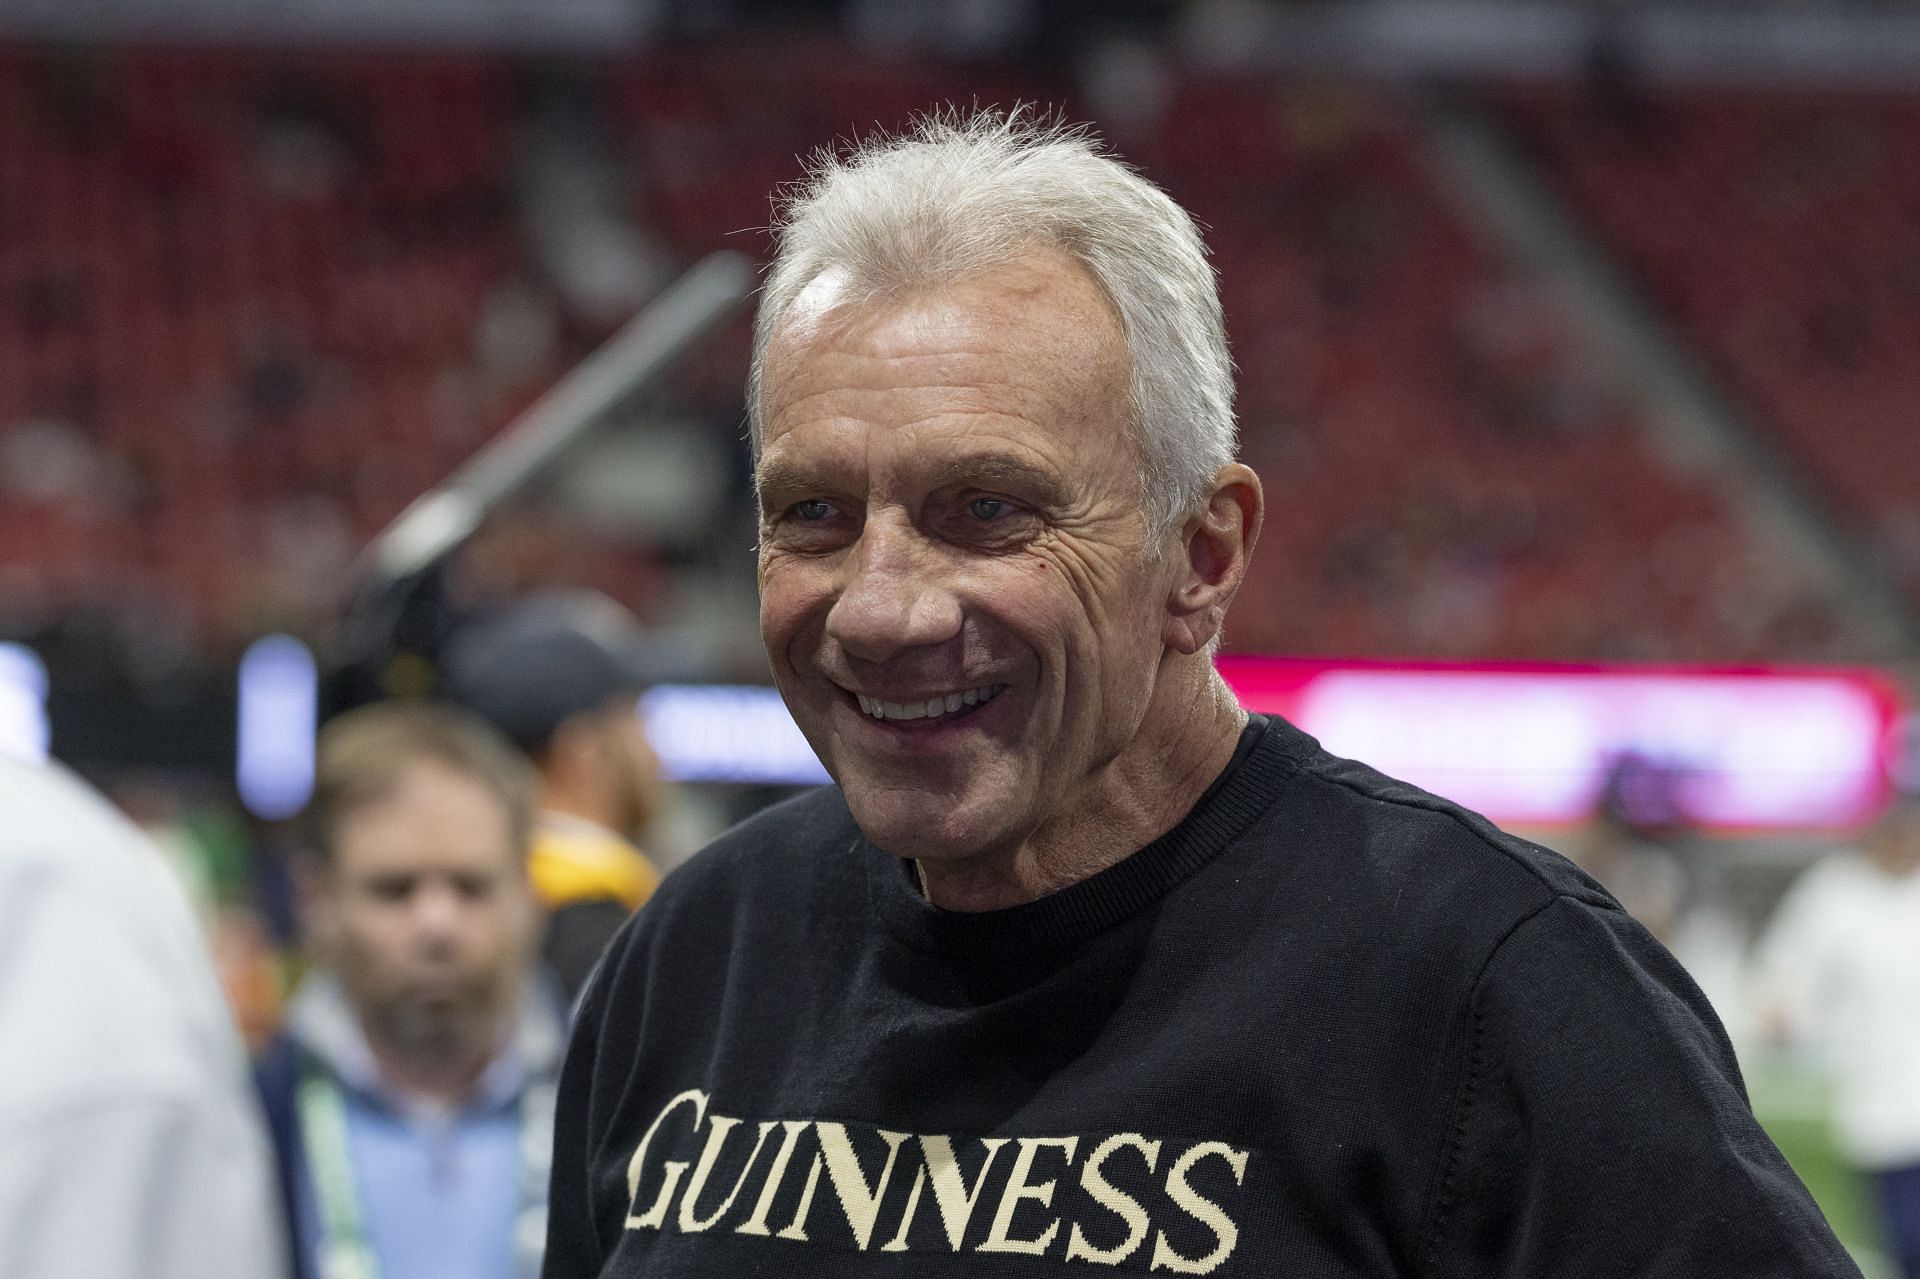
[[1268, 751]]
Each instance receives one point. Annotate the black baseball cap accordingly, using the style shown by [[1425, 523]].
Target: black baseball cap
[[545, 658]]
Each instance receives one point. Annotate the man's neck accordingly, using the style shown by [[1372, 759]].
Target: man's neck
[[1185, 743]]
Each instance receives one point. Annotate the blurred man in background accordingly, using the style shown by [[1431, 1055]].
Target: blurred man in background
[[129, 1141], [411, 1096], [559, 675], [1840, 972], [1623, 847]]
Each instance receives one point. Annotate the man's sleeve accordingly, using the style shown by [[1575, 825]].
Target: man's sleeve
[[130, 1143], [573, 1242], [1601, 1126], [167, 1187]]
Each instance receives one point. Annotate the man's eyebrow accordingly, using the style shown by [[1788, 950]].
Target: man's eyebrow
[[780, 481], [995, 469]]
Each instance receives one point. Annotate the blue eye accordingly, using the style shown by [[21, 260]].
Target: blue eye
[[813, 510], [986, 508]]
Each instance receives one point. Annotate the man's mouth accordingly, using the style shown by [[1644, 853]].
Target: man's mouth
[[945, 706]]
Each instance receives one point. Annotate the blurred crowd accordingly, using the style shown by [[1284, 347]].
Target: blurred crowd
[[458, 871]]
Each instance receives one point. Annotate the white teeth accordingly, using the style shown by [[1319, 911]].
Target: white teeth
[[932, 708]]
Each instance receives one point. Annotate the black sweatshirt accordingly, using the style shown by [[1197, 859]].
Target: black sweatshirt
[[1329, 1025]]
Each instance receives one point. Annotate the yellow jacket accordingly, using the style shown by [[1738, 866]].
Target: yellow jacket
[[574, 860]]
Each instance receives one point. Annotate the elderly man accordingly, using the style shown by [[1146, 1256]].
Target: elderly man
[[1078, 963], [412, 1096]]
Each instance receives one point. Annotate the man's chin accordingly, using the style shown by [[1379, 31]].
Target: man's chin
[[431, 1019], [925, 826]]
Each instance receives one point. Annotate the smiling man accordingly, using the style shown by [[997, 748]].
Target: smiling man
[[996, 648], [1077, 963]]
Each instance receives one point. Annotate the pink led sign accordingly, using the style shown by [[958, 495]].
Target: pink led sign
[[1531, 745]]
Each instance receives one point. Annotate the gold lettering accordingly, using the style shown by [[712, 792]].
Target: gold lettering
[[797, 1228], [1205, 1211], [1114, 1200], [899, 1241], [860, 1202], [956, 1200], [997, 1239], [657, 1214], [757, 1223], [716, 1138], [951, 1193]]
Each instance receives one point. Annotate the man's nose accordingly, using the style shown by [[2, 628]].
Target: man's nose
[[436, 910], [896, 596]]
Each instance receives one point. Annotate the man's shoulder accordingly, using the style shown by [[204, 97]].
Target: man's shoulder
[[1399, 808], [59, 826], [137, 1010], [1419, 854]]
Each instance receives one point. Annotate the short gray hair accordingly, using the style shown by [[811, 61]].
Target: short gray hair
[[958, 195]]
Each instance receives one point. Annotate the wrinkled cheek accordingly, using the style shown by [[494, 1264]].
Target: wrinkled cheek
[[1110, 680], [783, 620], [792, 627]]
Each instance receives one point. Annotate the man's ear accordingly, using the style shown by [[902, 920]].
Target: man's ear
[[1216, 542]]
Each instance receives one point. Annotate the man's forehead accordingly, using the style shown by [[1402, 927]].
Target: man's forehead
[[430, 815], [1043, 312], [998, 378]]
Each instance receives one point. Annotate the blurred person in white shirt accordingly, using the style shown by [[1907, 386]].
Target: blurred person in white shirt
[[1839, 970], [130, 1141]]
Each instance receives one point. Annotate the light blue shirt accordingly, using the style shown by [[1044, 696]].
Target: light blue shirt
[[442, 1191]]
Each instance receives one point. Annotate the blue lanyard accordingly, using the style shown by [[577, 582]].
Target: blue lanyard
[[345, 1252]]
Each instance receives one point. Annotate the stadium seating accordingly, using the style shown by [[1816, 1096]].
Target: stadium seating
[[1777, 229], [242, 274], [253, 280], [1440, 484]]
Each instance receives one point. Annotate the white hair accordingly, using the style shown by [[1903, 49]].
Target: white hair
[[959, 195]]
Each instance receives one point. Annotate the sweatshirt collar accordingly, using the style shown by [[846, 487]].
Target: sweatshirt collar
[[1266, 755]]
